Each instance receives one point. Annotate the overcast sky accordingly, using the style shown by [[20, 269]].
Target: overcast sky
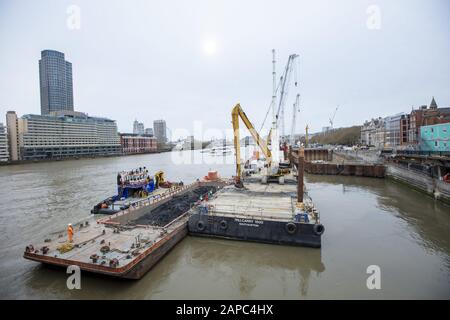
[[193, 60]]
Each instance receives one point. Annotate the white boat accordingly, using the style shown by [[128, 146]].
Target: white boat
[[221, 150]]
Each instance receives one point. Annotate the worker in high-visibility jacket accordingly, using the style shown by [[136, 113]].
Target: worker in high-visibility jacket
[[70, 232]]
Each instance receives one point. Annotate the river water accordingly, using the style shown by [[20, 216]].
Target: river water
[[368, 221]]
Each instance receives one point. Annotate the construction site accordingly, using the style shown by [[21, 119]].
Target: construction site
[[265, 201]]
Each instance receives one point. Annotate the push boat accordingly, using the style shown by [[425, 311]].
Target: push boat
[[132, 187]]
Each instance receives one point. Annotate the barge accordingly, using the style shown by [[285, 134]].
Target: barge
[[130, 242], [268, 213]]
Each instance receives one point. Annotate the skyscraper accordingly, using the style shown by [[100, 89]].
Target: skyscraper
[[138, 127], [159, 129], [55, 76]]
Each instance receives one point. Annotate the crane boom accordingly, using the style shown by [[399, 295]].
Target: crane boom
[[332, 118], [294, 113], [285, 80], [235, 114]]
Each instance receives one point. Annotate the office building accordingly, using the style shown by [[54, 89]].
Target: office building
[[160, 130], [392, 134], [138, 127], [55, 77], [62, 134], [12, 129], [4, 153], [148, 131]]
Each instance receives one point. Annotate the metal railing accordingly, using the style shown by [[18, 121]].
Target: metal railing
[[146, 202], [422, 153]]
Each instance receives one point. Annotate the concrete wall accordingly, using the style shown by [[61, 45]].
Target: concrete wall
[[318, 154], [420, 181], [362, 155]]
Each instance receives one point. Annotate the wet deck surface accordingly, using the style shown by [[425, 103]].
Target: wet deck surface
[[123, 244], [271, 201], [123, 241]]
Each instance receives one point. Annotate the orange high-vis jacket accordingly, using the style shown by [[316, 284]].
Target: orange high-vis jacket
[[70, 232]]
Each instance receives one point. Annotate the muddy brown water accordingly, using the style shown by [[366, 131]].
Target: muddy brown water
[[368, 221]]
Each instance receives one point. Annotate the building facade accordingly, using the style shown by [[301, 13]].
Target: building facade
[[134, 143], [435, 137], [392, 132], [138, 127], [402, 131], [56, 85], [425, 116], [12, 128], [373, 133], [64, 135], [160, 130], [148, 131], [4, 153]]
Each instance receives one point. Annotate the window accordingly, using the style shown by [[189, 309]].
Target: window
[[435, 143]]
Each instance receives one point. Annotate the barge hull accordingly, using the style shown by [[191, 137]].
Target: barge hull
[[136, 270], [275, 232]]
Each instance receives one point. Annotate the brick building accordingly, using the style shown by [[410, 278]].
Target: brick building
[[135, 143]]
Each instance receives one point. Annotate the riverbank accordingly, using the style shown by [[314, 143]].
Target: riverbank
[[423, 174], [18, 162]]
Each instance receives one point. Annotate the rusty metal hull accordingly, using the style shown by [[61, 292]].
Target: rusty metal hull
[[121, 245], [134, 270], [361, 170]]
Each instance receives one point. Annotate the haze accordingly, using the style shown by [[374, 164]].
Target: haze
[[193, 60]]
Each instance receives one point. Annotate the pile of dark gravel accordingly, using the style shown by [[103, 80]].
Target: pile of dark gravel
[[174, 208]]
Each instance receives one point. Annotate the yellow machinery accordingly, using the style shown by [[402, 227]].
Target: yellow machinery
[[235, 114], [159, 178]]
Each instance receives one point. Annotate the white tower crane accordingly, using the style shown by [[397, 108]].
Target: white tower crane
[[332, 118]]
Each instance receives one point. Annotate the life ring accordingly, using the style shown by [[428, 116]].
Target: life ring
[[291, 227], [201, 225], [318, 229], [223, 225]]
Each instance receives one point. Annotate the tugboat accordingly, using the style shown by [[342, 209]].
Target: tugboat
[[132, 187]]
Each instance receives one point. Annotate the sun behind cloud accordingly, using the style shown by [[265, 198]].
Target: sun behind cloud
[[209, 46]]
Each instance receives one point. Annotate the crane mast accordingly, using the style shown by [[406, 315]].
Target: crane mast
[[285, 81], [295, 109], [332, 118]]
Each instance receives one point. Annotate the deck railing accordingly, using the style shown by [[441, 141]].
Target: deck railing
[[146, 202]]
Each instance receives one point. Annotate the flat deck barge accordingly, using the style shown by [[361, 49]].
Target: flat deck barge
[[259, 212], [128, 243]]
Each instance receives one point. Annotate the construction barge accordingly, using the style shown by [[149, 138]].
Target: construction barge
[[130, 242], [268, 213]]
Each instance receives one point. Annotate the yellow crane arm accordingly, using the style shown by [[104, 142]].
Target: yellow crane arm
[[235, 114]]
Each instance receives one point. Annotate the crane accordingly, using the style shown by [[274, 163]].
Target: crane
[[284, 87], [295, 109], [272, 164], [332, 118]]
